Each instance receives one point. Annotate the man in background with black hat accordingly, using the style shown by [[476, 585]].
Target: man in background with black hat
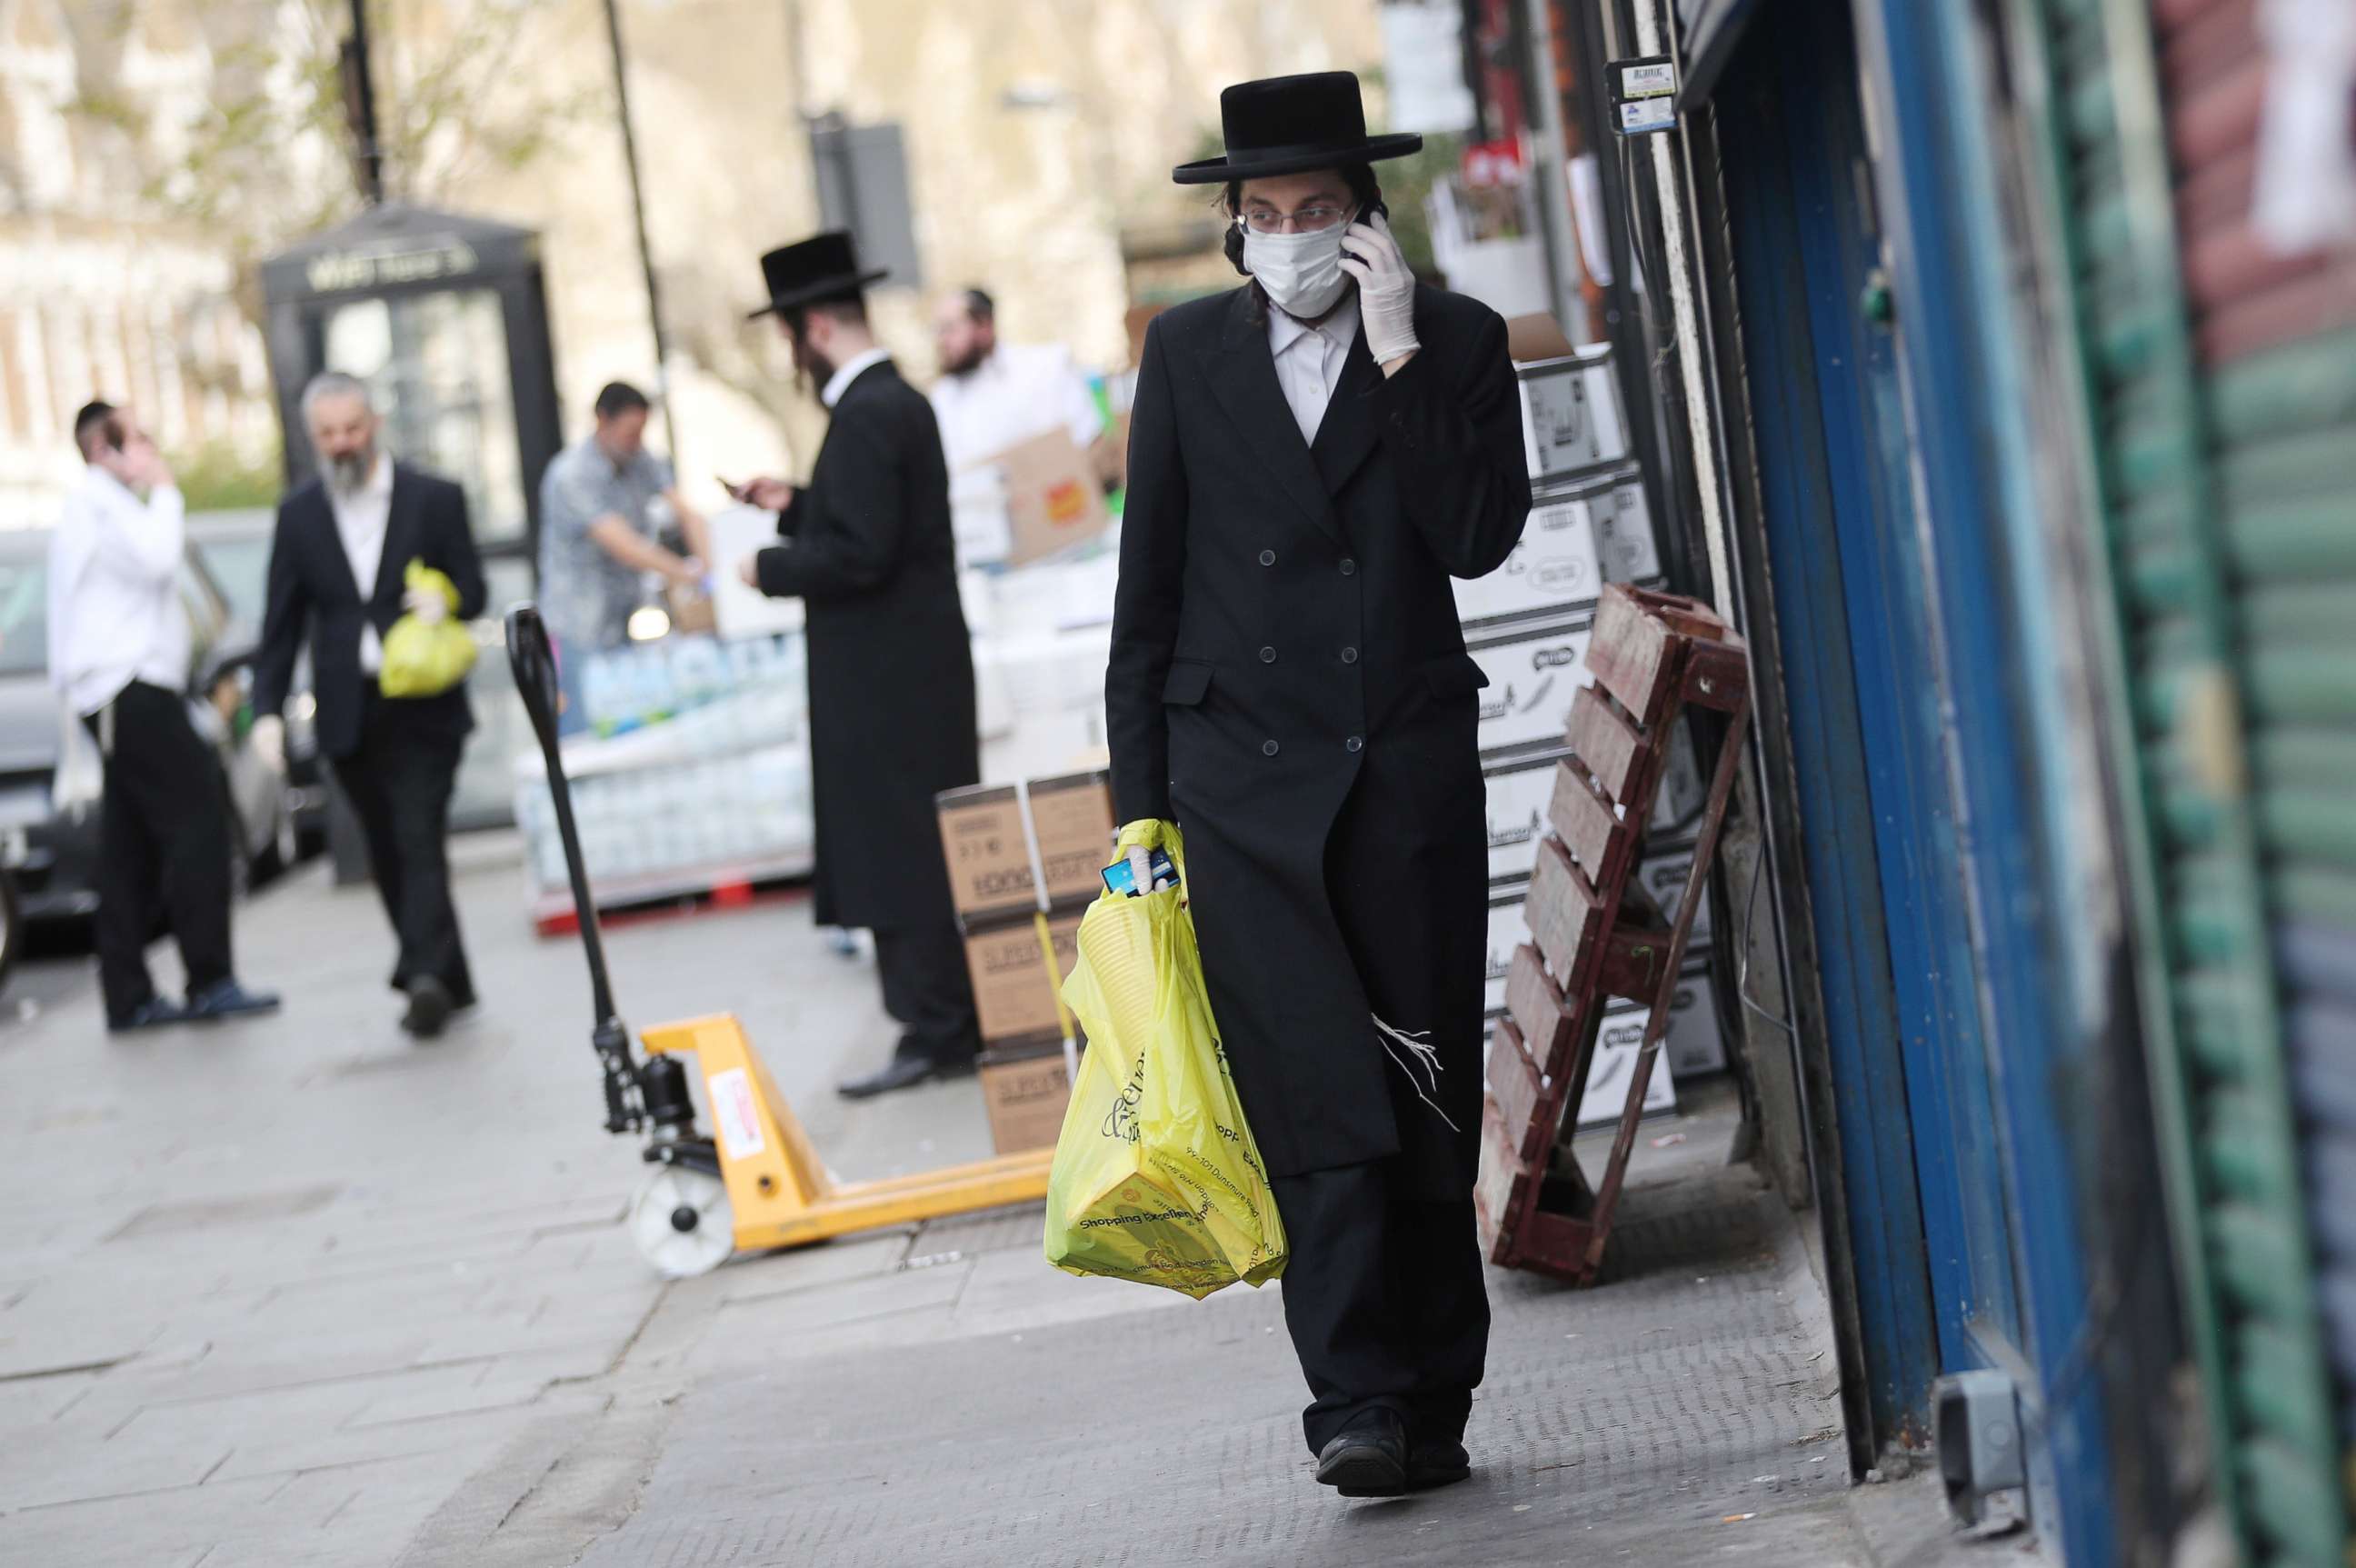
[[1311, 457], [867, 546]]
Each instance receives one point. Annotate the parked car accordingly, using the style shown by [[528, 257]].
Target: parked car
[[49, 765], [234, 547]]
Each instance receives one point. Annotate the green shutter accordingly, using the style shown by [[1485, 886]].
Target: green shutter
[[2224, 458]]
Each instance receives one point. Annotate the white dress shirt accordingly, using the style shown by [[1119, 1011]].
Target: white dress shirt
[[1018, 394], [360, 520], [840, 382], [1309, 360], [115, 614]]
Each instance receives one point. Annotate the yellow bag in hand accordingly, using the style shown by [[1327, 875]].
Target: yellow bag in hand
[[1156, 1178], [424, 659]]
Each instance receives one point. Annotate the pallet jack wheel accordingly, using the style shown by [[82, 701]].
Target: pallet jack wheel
[[682, 1222]]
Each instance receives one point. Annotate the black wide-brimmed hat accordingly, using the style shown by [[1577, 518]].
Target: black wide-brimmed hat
[[1288, 124], [824, 266]]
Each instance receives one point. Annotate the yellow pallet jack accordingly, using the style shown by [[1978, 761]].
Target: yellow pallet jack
[[758, 1185]]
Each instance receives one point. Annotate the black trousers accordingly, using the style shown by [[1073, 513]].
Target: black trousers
[[398, 782], [163, 844], [927, 990], [1385, 1300]]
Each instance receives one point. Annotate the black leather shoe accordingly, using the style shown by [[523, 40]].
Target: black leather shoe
[[430, 1007], [228, 999], [1432, 1463], [153, 1013], [1369, 1460], [900, 1072]]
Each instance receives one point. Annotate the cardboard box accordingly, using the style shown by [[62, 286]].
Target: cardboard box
[[1535, 336], [1693, 1045], [1053, 498], [1571, 415], [1518, 791], [1691, 1048], [690, 609], [1025, 1093], [1013, 992], [1623, 532], [1608, 1069], [989, 860], [1553, 568], [1662, 875], [1532, 670]]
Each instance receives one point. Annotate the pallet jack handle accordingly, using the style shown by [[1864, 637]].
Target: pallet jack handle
[[533, 659]]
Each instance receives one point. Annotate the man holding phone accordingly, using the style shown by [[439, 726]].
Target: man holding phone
[[868, 548], [1311, 457], [119, 654]]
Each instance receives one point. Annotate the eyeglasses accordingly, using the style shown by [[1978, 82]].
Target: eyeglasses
[[1308, 220]]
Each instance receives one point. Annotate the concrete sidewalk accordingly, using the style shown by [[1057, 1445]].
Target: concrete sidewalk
[[304, 1293]]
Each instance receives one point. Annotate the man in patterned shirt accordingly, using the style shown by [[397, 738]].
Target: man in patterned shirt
[[600, 535]]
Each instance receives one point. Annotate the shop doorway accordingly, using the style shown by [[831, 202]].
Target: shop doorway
[[1923, 1175]]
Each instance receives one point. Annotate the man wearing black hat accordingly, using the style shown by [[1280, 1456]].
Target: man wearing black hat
[[1311, 457], [868, 547]]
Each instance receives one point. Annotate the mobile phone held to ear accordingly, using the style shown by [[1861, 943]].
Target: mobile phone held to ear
[[1119, 878]]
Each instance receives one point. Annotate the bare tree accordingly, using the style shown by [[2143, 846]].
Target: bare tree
[[270, 154]]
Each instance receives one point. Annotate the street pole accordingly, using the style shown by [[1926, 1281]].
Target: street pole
[[638, 215], [360, 107]]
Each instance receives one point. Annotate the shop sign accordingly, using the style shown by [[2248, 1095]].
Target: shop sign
[[384, 266]]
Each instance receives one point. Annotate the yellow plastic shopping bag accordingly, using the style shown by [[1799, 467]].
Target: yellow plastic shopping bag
[[426, 658], [1156, 1176]]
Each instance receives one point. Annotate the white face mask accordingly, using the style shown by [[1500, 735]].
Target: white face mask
[[1302, 272]]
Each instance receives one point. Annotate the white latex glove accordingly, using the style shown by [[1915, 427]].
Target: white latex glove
[[1386, 287], [427, 605], [1141, 869], [268, 737]]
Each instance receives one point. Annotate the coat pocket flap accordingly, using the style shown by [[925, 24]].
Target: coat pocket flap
[[1187, 681], [1456, 674]]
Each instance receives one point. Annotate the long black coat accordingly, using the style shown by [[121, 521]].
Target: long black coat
[[891, 667], [1288, 683], [313, 594]]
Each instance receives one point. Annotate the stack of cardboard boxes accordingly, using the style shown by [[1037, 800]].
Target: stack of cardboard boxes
[[1527, 624], [1020, 857]]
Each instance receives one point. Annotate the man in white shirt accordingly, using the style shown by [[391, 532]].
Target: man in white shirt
[[995, 395], [338, 565], [119, 659]]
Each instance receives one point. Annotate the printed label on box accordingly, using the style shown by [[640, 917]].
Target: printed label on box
[[1554, 567], [1662, 875], [735, 1115], [1611, 1067], [1531, 679], [1570, 418], [1623, 535], [1693, 1044], [1517, 798]]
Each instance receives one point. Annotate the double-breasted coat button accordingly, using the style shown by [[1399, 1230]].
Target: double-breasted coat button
[[1267, 656], [1349, 656], [1355, 743], [1267, 749], [1349, 568], [1267, 557]]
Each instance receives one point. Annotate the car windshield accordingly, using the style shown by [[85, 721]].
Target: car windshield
[[24, 614], [241, 567]]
